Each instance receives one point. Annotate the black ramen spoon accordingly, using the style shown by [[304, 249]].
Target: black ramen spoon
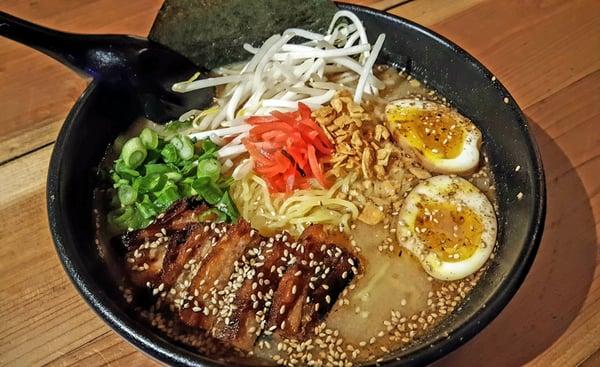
[[123, 61]]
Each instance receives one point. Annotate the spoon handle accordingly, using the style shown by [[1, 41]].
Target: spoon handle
[[69, 49]]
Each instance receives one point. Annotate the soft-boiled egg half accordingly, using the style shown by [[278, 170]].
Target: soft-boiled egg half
[[444, 140], [449, 226]]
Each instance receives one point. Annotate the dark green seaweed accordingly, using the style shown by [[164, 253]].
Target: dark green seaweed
[[211, 33]]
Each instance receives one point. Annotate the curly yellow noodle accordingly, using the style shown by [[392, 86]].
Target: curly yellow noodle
[[265, 192], [270, 213]]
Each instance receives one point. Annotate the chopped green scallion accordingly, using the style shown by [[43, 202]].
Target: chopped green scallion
[[149, 138], [127, 195], [210, 168], [134, 152]]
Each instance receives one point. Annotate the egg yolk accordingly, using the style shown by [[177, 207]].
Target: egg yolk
[[453, 233], [433, 133]]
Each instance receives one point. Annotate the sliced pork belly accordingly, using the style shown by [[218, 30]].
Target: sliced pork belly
[[145, 263], [326, 290], [179, 215], [235, 284], [200, 239], [251, 303], [285, 314], [182, 262], [213, 275], [147, 248], [310, 287]]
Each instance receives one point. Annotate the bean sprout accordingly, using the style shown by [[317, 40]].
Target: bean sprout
[[281, 73]]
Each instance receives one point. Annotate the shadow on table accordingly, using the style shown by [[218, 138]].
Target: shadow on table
[[559, 280]]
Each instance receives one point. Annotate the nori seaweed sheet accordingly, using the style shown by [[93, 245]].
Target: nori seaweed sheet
[[212, 33]]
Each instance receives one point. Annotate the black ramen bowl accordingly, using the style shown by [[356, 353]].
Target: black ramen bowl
[[102, 112]]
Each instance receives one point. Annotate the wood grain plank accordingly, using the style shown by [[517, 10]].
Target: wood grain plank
[[105, 350], [430, 12], [534, 47], [34, 274], [380, 4], [37, 92], [592, 361], [35, 292]]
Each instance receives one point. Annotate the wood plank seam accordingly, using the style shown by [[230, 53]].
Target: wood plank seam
[[387, 8], [549, 96], [21, 155]]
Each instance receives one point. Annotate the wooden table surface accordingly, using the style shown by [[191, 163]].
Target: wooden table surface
[[547, 53]]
